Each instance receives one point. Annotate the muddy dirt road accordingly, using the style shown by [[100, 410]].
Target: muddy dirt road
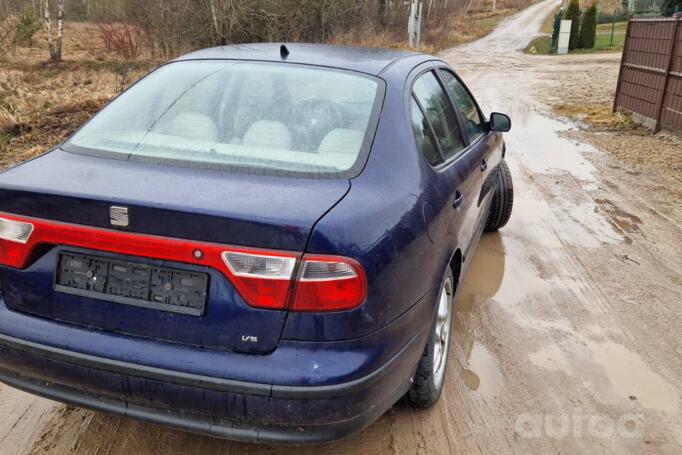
[[568, 332]]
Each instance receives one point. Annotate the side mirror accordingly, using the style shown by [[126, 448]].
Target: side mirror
[[500, 123]]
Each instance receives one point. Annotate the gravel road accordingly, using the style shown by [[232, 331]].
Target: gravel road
[[567, 336]]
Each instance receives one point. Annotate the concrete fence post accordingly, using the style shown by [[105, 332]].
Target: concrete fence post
[[414, 24]]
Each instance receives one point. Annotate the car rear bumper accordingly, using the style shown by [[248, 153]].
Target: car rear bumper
[[237, 410], [302, 392], [201, 424]]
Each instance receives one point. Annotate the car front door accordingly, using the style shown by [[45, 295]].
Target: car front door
[[485, 145], [456, 166]]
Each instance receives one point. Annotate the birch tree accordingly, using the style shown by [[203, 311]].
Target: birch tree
[[54, 46]]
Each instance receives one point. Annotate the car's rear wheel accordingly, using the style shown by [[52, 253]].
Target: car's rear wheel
[[430, 376], [503, 199]]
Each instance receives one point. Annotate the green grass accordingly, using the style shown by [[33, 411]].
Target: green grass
[[543, 44], [604, 35]]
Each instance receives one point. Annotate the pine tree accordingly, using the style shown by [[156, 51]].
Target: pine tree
[[670, 7], [573, 14], [588, 28], [27, 26]]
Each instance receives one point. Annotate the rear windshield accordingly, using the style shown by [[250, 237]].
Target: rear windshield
[[282, 117]]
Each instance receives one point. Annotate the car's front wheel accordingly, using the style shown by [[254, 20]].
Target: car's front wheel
[[503, 199], [430, 376]]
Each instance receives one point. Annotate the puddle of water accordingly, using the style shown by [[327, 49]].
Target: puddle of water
[[486, 273], [594, 222], [543, 150], [622, 221], [502, 273], [612, 371], [506, 274], [550, 219], [478, 366], [471, 379], [483, 374]]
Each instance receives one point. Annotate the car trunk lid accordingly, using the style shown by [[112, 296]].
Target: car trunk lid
[[198, 205]]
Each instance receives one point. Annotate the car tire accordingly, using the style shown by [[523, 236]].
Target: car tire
[[429, 378], [503, 199]]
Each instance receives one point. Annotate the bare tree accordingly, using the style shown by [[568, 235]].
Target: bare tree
[[381, 12], [8, 27], [54, 46], [468, 8], [174, 26]]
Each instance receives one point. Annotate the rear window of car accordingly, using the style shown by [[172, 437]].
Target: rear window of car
[[267, 116]]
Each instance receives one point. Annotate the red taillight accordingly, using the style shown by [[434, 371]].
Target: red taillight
[[263, 278], [329, 283], [325, 283], [14, 236]]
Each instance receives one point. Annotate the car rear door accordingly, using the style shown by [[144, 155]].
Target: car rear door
[[456, 178]]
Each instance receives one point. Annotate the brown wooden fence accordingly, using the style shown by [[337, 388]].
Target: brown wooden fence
[[650, 79]]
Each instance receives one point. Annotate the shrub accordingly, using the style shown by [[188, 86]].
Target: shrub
[[8, 29], [8, 26], [122, 40], [588, 28], [573, 14], [670, 7], [27, 26]]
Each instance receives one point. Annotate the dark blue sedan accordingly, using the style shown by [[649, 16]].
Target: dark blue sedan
[[256, 242]]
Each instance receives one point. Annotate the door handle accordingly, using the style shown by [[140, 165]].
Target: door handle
[[458, 200], [484, 165]]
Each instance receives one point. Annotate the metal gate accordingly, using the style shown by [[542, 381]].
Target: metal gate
[[650, 79]]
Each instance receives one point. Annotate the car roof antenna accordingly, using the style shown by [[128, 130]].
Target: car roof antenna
[[283, 51]]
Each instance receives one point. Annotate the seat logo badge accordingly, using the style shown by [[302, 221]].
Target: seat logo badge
[[118, 216]]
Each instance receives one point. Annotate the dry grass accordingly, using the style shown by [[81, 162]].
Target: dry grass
[[599, 117], [448, 33], [41, 103]]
